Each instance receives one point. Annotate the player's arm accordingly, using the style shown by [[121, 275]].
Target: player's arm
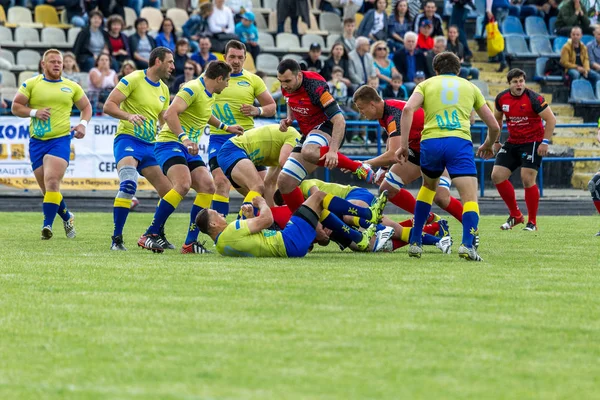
[[548, 116], [412, 105], [486, 149], [267, 106], [337, 133], [236, 129], [177, 107], [161, 118], [112, 107], [284, 124], [20, 109], [498, 115], [85, 111], [271, 184], [389, 157], [265, 217]]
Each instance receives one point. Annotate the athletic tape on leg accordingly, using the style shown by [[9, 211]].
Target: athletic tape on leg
[[317, 138], [293, 168], [394, 180], [445, 182]]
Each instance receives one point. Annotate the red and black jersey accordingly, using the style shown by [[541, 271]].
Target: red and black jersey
[[392, 112], [522, 115], [312, 103]]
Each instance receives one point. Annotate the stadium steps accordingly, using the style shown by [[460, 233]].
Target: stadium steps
[[580, 179]]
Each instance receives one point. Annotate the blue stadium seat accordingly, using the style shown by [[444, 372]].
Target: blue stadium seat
[[512, 26], [535, 26], [587, 39], [582, 92], [551, 23], [516, 46], [540, 68], [540, 45], [559, 42]]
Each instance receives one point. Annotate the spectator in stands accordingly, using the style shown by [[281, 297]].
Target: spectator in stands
[[439, 46], [455, 46], [396, 89], [337, 58], [138, 4], [204, 56], [419, 77], [118, 40], [70, 68], [191, 70], [248, 33], [197, 25], [141, 44], [499, 10], [384, 67], [76, 14], [425, 39], [293, 9], [345, 8], [127, 67], [572, 13], [338, 88], [101, 80], [361, 62], [594, 51], [239, 7], [430, 14], [574, 58], [166, 35], [399, 24], [348, 39], [90, 42], [409, 60], [367, 6], [312, 61], [375, 23], [221, 25], [180, 56], [458, 18]]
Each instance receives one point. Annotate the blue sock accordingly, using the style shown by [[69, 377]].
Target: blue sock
[[470, 223], [63, 212], [120, 213], [422, 209], [331, 221], [50, 207], [430, 239], [220, 204], [165, 208], [341, 207], [202, 201]]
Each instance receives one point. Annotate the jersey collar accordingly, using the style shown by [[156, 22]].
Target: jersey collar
[[155, 84], [209, 94], [51, 80], [238, 74]]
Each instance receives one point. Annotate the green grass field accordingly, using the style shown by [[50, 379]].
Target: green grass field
[[80, 322]]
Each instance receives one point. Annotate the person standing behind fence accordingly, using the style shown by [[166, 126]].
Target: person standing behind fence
[[527, 143], [48, 100]]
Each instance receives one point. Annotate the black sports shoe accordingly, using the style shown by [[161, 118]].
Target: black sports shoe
[[167, 245], [530, 227], [151, 242], [117, 243], [194, 247]]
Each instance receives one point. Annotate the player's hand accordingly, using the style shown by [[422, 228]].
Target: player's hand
[[485, 151], [247, 211], [402, 154], [496, 147], [43, 113], [284, 124], [379, 176], [331, 159], [542, 150], [79, 131], [249, 110], [191, 147], [236, 129], [136, 119], [258, 201]]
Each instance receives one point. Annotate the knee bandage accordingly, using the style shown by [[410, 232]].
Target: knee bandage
[[317, 138], [294, 168], [445, 182], [128, 176], [594, 187], [394, 180]]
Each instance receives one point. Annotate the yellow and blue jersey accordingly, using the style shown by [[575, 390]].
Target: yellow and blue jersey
[[59, 95], [237, 241], [447, 102], [263, 144], [143, 97], [243, 89], [195, 117]]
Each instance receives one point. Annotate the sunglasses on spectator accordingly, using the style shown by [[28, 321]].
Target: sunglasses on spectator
[[381, 48]]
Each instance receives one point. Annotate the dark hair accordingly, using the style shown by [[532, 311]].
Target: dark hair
[[260, 74], [234, 44], [446, 63], [96, 13], [278, 198], [160, 30], [202, 220], [114, 19], [290, 64], [366, 93], [349, 21], [397, 14], [160, 53], [429, 1], [181, 42], [98, 59], [337, 69], [515, 73], [216, 69], [139, 21]]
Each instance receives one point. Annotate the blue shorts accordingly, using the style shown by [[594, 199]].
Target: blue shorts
[[229, 155], [165, 151], [129, 146], [361, 194], [452, 153], [215, 142], [298, 235], [59, 147]]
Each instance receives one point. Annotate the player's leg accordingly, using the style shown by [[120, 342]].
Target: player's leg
[[506, 163], [530, 165], [594, 188], [300, 233], [294, 171], [394, 181], [161, 183], [445, 201], [203, 184], [128, 178], [54, 170], [244, 173]]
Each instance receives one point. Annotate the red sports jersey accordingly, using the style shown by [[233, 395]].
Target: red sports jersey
[[311, 103], [522, 115], [392, 112]]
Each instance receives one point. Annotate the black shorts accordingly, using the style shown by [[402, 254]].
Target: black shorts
[[192, 165], [513, 156], [326, 127], [414, 157]]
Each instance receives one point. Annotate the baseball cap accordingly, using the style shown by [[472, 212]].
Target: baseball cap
[[314, 46], [249, 15], [425, 22], [419, 74]]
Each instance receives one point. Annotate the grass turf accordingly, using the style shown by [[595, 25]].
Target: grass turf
[[81, 322]]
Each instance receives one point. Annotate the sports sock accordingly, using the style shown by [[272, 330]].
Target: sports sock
[[331, 221], [281, 215], [597, 204], [165, 208], [50, 207], [406, 222], [341, 207], [532, 199], [455, 208], [63, 212], [405, 200], [220, 204], [429, 240], [294, 199], [343, 161], [431, 229], [397, 243], [202, 201], [248, 200], [470, 222], [120, 212], [507, 192], [422, 209]]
